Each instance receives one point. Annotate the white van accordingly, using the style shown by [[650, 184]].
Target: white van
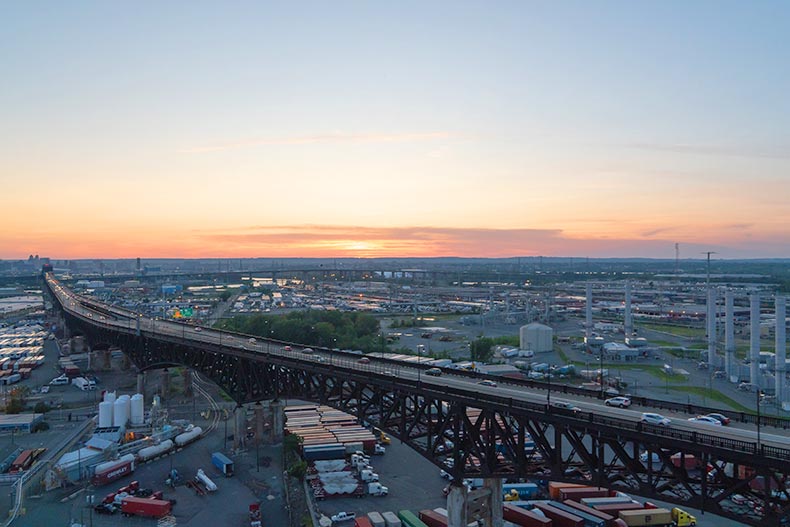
[[59, 381]]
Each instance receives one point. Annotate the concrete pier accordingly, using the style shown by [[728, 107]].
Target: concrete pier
[[456, 505], [730, 365], [754, 348]]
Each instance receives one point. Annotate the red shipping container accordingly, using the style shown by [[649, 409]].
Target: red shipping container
[[523, 517], [433, 518], [555, 486], [362, 522], [145, 507], [608, 518], [558, 517], [578, 494]]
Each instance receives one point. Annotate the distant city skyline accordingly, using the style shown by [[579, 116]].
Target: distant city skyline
[[356, 129]]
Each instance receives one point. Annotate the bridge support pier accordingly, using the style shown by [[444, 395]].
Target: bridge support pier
[[165, 387], [140, 382], [259, 420], [278, 419], [240, 427], [495, 505], [187, 376], [456, 505]]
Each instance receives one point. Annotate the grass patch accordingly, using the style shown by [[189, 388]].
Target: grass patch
[[713, 395], [681, 331], [564, 357]]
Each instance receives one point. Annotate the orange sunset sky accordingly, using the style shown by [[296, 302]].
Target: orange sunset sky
[[366, 129]]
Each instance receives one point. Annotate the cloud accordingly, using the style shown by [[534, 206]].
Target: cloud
[[335, 137], [762, 152]]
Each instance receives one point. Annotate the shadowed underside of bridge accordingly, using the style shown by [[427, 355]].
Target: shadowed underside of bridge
[[523, 440]]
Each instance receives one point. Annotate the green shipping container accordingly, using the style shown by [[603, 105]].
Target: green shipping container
[[410, 519]]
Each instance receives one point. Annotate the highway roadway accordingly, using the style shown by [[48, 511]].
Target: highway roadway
[[128, 320]]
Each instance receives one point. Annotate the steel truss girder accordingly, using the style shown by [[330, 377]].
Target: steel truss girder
[[487, 440]]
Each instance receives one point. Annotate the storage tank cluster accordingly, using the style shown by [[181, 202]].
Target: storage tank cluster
[[118, 411]]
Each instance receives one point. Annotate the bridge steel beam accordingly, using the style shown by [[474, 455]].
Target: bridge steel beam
[[479, 435]]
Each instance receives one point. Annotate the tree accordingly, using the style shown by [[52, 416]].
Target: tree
[[14, 406], [482, 349], [41, 407]]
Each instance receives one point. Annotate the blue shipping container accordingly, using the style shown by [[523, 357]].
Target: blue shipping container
[[224, 464]]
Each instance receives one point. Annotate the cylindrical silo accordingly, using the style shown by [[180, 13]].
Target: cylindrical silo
[[121, 410], [137, 405], [105, 414], [109, 397]]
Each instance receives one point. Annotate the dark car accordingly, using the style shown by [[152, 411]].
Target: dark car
[[433, 372], [723, 419]]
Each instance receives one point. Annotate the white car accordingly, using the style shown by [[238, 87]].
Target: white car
[[343, 516], [704, 419], [253, 341], [622, 402], [655, 419]]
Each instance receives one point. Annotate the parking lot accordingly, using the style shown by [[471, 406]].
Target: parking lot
[[414, 483]]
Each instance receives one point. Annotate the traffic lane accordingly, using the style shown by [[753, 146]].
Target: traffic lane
[[630, 415]]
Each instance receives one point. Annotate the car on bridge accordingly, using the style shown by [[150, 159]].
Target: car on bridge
[[307, 350], [655, 419], [565, 405], [364, 360], [723, 419], [433, 372], [198, 328], [487, 382], [287, 348], [704, 419], [620, 401], [253, 341]]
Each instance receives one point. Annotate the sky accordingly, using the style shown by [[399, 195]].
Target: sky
[[320, 129]]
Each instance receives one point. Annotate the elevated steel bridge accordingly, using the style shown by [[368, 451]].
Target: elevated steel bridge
[[468, 429]]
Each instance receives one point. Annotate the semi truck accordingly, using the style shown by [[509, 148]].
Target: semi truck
[[658, 518]]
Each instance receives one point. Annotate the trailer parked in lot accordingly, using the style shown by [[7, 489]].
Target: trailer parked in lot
[[147, 507], [222, 462]]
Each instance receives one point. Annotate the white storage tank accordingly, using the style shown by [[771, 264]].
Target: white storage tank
[[137, 406], [121, 410], [536, 337], [105, 414], [109, 397]]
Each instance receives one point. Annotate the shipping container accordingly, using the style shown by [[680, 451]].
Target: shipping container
[[688, 461], [433, 518], [410, 519], [578, 494], [525, 490], [362, 521], [224, 464], [607, 518], [391, 519], [605, 501], [559, 518], [376, 519], [646, 517], [523, 517], [590, 520], [146, 507], [556, 486], [615, 508]]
